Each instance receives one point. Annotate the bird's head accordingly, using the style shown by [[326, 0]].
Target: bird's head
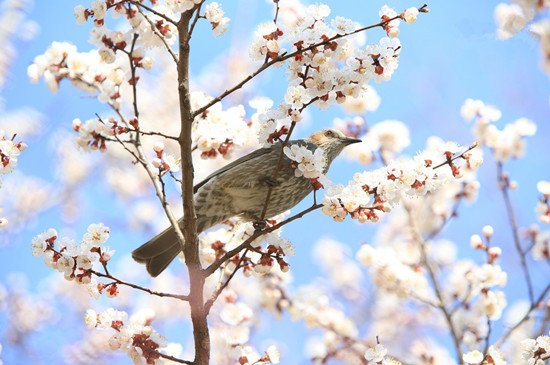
[[332, 141]]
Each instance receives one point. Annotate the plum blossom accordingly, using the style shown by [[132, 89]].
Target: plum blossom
[[138, 339], [214, 14], [505, 143], [376, 353], [219, 131], [9, 152], [473, 357], [310, 164], [76, 261]]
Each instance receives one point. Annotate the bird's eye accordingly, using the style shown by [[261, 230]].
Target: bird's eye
[[328, 133]]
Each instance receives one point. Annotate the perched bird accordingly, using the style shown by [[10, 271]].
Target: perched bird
[[240, 189]]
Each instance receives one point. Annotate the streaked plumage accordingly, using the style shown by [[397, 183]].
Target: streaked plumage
[[240, 189]]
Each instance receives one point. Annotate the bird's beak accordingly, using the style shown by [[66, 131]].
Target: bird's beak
[[348, 140]]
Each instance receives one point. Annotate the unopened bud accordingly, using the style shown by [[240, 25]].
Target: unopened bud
[[158, 147], [487, 231], [22, 146], [77, 123], [156, 162], [495, 252], [476, 242]]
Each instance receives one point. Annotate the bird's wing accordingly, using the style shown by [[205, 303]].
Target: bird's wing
[[253, 155]]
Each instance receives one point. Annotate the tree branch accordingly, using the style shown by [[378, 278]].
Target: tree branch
[[134, 286], [283, 57], [503, 184], [190, 245], [215, 265]]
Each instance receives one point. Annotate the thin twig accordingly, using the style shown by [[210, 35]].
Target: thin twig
[[147, 290], [276, 172], [174, 359], [435, 282], [283, 57], [454, 212], [279, 162], [197, 16], [158, 34], [448, 162], [219, 290], [151, 133], [503, 186], [149, 9], [215, 265], [134, 80], [527, 315]]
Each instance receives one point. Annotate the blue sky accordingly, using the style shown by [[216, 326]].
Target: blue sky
[[448, 55]]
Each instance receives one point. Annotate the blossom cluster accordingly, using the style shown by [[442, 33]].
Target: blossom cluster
[[215, 243], [506, 143], [214, 14], [391, 26], [379, 190], [326, 68], [76, 261], [216, 131], [388, 138], [308, 164], [540, 241], [87, 71], [474, 287], [150, 30], [391, 274], [515, 15], [535, 351], [163, 161], [543, 206], [139, 340], [93, 134], [9, 151], [494, 357]]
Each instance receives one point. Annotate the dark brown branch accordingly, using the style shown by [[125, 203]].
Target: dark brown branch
[[189, 242]]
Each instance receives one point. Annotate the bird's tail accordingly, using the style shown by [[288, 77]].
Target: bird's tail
[[159, 252]]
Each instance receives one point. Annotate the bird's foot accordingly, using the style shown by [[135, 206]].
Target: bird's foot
[[259, 225]]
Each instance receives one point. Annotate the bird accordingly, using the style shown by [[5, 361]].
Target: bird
[[240, 188]]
